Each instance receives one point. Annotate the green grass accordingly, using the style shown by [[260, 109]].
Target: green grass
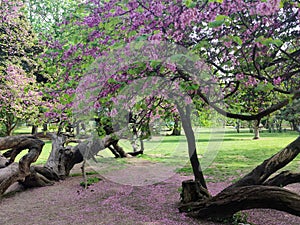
[[222, 156], [239, 154], [90, 181], [22, 130]]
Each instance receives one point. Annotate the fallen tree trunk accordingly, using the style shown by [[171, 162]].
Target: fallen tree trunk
[[262, 172], [59, 164], [14, 172], [283, 179], [63, 158], [255, 190], [231, 201]]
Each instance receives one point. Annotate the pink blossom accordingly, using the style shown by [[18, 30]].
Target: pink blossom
[[277, 81], [267, 8], [240, 76]]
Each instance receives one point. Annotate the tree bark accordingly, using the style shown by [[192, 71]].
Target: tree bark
[[34, 129], [189, 133], [238, 127], [262, 172], [63, 158], [231, 201], [177, 128], [193, 191], [60, 162], [254, 190], [256, 129], [283, 179], [14, 172]]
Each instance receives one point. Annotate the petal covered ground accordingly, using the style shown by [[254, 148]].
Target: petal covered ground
[[107, 203]]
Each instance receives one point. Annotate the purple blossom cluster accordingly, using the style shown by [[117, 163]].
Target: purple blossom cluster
[[239, 40]]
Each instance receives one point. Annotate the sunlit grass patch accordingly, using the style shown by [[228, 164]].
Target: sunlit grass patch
[[236, 153]]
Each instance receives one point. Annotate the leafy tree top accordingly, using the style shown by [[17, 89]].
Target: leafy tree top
[[246, 45], [19, 95]]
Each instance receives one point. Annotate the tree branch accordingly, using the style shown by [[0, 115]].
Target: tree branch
[[229, 202], [283, 179], [262, 172]]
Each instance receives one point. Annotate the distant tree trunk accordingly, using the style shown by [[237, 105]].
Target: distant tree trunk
[[294, 125], [77, 129], [45, 127], [9, 132], [10, 124], [177, 128], [238, 127], [256, 129], [9, 127], [279, 125], [34, 129]]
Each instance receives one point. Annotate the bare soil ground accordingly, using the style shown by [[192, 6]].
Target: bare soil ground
[[109, 203]]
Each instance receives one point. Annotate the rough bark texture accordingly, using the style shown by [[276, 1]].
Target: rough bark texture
[[192, 191], [231, 201], [255, 190], [61, 160], [14, 172]]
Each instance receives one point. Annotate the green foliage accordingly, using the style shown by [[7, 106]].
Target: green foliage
[[90, 181], [45, 15], [190, 3], [291, 114], [19, 68], [2, 130], [236, 219]]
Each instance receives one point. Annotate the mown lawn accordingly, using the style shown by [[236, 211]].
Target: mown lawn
[[224, 154]]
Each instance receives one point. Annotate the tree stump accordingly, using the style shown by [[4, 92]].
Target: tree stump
[[192, 191]]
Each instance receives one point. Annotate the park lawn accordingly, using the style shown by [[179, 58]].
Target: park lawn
[[239, 154], [224, 154]]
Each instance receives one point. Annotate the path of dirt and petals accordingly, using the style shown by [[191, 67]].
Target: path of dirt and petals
[[111, 203]]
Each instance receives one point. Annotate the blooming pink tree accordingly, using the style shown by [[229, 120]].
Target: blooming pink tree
[[247, 46], [252, 45], [19, 97]]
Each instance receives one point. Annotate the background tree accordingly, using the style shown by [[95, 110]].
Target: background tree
[[21, 101], [19, 67], [46, 16], [291, 114]]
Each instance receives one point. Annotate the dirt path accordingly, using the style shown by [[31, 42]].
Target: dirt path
[[109, 203]]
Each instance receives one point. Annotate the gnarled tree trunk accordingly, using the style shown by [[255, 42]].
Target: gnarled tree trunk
[[255, 190], [12, 172], [61, 160]]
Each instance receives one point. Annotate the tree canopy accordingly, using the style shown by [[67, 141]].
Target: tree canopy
[[19, 67], [247, 46]]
